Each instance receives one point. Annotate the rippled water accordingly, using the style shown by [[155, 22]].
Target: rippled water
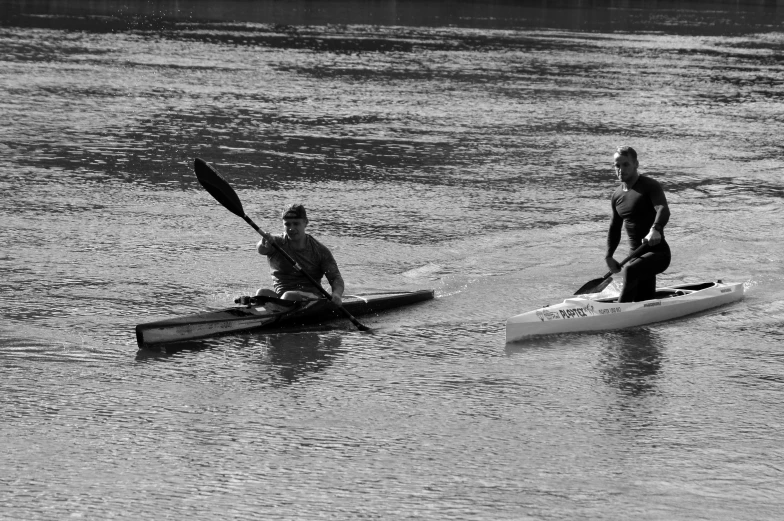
[[472, 161]]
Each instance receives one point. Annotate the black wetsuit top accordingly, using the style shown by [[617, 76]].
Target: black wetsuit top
[[636, 210]]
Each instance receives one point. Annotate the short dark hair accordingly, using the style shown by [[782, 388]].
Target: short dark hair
[[294, 211], [627, 151]]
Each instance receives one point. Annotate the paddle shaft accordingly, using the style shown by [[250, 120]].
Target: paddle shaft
[[636, 253], [597, 285]]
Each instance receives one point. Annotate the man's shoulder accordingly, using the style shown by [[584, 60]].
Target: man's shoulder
[[317, 245], [649, 182], [280, 240]]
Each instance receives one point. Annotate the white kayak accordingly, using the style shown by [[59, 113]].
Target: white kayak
[[589, 313]]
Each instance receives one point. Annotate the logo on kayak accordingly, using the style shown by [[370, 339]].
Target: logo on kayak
[[546, 314], [573, 313], [726, 290], [652, 304]]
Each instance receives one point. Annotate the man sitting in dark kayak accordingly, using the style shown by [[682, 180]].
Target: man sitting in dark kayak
[[638, 204], [313, 257]]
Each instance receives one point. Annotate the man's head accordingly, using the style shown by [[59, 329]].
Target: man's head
[[627, 151], [625, 164], [295, 219], [294, 211]]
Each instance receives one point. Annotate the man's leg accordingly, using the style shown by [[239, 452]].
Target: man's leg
[[639, 276], [271, 307], [631, 279], [299, 295], [646, 289]]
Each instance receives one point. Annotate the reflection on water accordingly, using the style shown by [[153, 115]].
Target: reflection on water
[[631, 360], [545, 342], [290, 355], [298, 355]]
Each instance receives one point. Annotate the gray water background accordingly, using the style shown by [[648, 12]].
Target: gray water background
[[468, 153]]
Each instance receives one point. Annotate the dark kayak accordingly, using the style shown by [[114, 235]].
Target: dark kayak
[[269, 314]]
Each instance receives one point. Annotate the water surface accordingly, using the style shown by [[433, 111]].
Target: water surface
[[474, 160]]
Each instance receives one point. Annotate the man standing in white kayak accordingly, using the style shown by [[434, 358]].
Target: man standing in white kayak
[[313, 257], [639, 205]]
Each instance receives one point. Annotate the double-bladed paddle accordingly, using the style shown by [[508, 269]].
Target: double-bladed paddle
[[597, 285], [225, 195]]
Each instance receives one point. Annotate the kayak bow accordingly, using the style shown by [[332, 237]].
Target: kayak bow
[[579, 314], [261, 315]]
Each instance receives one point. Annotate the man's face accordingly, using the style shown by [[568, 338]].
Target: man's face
[[294, 227], [625, 167]]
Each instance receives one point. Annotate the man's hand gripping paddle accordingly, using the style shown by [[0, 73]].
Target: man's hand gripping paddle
[[597, 285]]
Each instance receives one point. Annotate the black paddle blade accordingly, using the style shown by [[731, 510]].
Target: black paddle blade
[[594, 286], [218, 187]]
